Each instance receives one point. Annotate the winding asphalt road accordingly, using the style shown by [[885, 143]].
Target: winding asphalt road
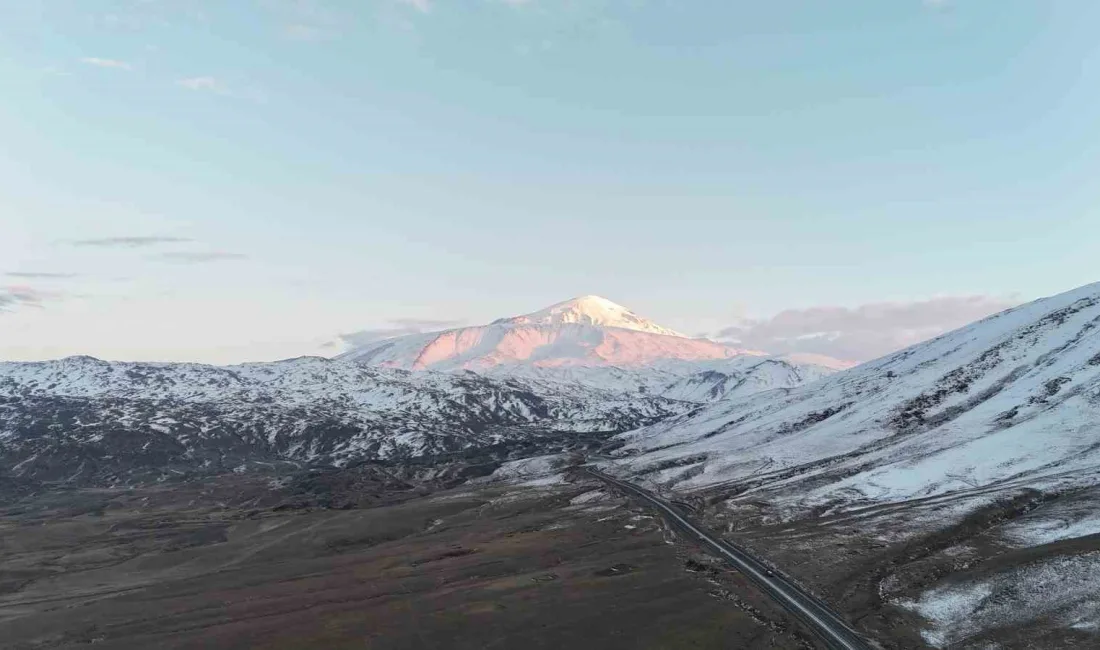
[[832, 630]]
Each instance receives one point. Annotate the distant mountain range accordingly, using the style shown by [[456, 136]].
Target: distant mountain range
[[1013, 397], [554, 380]]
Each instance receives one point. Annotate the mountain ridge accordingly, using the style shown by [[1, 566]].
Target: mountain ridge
[[83, 420], [590, 310], [1016, 394]]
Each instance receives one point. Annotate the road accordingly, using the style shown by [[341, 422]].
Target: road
[[826, 624]]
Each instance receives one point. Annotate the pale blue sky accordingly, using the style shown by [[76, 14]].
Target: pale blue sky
[[699, 162]]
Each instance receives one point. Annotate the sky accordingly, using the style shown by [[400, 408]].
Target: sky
[[220, 182]]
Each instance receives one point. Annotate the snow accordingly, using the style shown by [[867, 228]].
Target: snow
[[543, 345], [302, 409], [1013, 399], [1047, 532], [1062, 588], [539, 471], [949, 610], [1009, 403], [597, 343], [588, 497], [1054, 523], [590, 310]]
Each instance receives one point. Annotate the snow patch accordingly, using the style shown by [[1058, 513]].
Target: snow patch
[[1066, 589]]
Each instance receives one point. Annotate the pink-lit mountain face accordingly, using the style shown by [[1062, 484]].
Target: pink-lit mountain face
[[583, 332], [598, 344]]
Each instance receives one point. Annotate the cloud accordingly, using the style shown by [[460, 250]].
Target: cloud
[[130, 242], [423, 6], [27, 275], [53, 71], [197, 84], [861, 333], [14, 297], [200, 257], [106, 63], [401, 327]]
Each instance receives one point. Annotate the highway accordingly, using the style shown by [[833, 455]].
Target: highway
[[826, 624]]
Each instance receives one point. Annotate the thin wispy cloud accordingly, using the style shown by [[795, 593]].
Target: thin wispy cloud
[[200, 257], [106, 63], [400, 327], [130, 242], [209, 84], [15, 297], [53, 71], [32, 275], [861, 333]]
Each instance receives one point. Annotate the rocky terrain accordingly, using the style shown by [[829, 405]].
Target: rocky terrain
[[81, 420]]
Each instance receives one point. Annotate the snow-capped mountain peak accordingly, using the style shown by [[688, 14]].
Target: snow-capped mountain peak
[[590, 310], [594, 342]]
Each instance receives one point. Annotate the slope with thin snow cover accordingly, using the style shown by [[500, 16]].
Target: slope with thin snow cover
[[1012, 398], [1001, 417], [82, 418]]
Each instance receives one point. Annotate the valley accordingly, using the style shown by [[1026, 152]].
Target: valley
[[226, 564], [942, 496]]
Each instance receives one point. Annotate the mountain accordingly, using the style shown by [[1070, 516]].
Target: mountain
[[1012, 399], [694, 381], [590, 310], [583, 332], [955, 484], [557, 379], [593, 342], [82, 420]]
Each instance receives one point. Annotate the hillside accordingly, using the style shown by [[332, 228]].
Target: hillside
[[82, 419], [958, 480], [1012, 397]]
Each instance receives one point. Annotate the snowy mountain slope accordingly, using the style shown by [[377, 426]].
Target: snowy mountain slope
[[584, 332], [83, 417], [589, 310], [694, 381], [753, 377], [593, 342], [1012, 398], [568, 344]]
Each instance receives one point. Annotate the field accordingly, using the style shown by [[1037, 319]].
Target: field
[[227, 564]]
